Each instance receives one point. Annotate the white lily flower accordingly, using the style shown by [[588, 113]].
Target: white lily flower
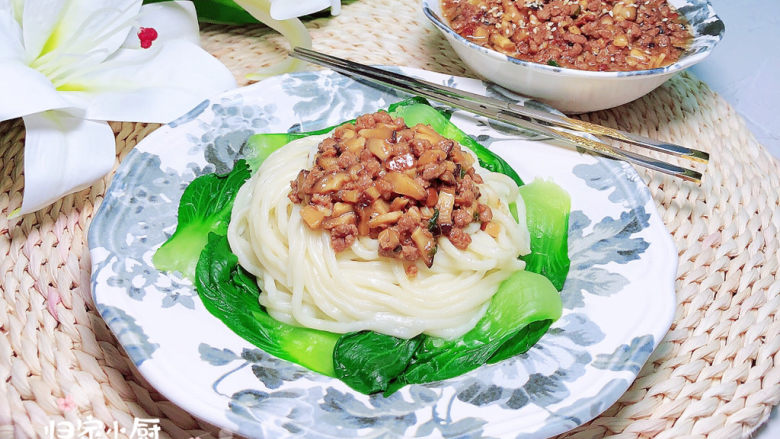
[[282, 16], [67, 66], [285, 9]]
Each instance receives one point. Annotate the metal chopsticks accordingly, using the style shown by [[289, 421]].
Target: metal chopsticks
[[558, 127]]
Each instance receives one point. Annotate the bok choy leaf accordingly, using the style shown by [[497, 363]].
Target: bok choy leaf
[[230, 294], [204, 208], [547, 208]]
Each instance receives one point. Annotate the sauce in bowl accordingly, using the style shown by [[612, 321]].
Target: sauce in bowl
[[595, 35]]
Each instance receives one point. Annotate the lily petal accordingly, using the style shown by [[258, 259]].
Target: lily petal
[[19, 7], [10, 36], [293, 30], [94, 28], [63, 154], [151, 85], [285, 9], [25, 91], [39, 21], [172, 20]]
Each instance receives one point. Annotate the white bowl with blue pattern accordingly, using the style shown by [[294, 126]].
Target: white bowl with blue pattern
[[578, 91]]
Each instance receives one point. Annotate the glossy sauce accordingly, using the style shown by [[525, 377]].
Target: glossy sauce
[[597, 35]]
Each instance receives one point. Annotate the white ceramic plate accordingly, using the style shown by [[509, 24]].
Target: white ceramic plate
[[618, 299]]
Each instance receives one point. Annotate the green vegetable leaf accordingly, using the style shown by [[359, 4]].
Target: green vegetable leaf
[[547, 208], [521, 299], [417, 110], [228, 12], [513, 211], [205, 207], [520, 343], [222, 11], [230, 294], [218, 11], [433, 222], [367, 361], [262, 145], [553, 63]]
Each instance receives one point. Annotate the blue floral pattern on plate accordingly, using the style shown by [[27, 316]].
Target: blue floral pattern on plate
[[618, 298]]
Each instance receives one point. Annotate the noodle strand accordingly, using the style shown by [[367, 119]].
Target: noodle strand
[[305, 282]]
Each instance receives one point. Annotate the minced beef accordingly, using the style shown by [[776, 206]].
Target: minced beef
[[599, 35], [404, 186]]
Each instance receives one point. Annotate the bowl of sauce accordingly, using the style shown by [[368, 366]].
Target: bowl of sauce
[[578, 55]]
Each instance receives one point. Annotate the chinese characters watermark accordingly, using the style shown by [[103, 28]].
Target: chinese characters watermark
[[91, 428]]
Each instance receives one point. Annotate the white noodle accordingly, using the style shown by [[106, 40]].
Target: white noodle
[[304, 282]]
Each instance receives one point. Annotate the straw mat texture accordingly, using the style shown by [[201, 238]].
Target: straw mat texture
[[716, 374]]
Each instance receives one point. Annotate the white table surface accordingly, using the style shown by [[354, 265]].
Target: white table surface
[[744, 69]]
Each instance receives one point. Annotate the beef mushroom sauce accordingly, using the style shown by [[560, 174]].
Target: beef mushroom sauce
[[596, 35], [404, 186]]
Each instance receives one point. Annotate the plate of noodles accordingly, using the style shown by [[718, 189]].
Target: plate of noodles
[[315, 256]]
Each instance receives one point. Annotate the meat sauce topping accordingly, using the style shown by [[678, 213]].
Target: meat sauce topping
[[598, 35], [404, 186]]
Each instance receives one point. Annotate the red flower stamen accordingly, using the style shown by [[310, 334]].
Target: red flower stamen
[[147, 35]]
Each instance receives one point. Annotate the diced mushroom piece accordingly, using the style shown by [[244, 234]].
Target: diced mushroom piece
[[312, 216], [341, 208], [425, 243], [453, 167], [328, 163], [401, 162], [350, 196], [354, 170], [345, 132], [365, 217], [462, 158], [384, 219], [638, 54], [502, 42], [445, 205], [345, 219], [624, 10], [433, 197], [299, 185], [427, 133], [410, 172], [355, 144], [405, 185], [379, 147], [379, 132], [389, 240], [415, 214], [431, 156], [480, 32], [372, 192], [492, 228], [399, 203], [331, 183], [380, 206]]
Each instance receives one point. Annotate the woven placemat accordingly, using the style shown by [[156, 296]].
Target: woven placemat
[[716, 374]]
